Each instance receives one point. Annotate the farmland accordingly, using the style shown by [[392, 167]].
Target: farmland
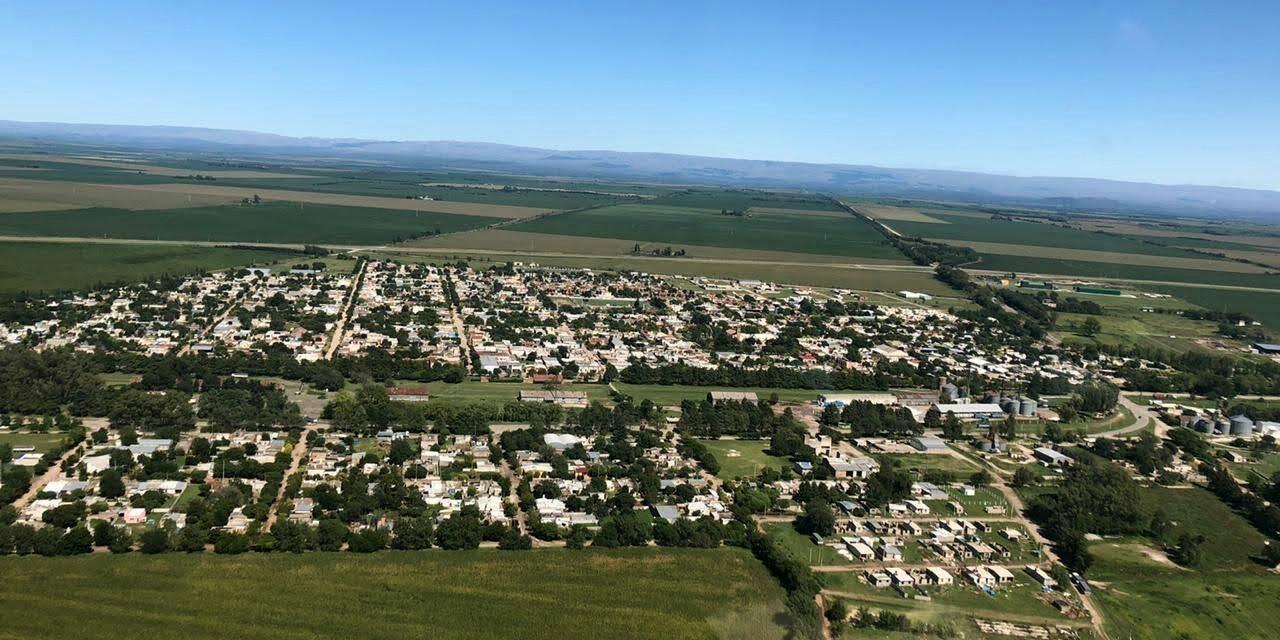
[[849, 236], [281, 222], [31, 266], [637, 594]]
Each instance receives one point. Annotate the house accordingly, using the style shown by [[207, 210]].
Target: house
[[1013, 535], [890, 553], [917, 507], [135, 515], [863, 551], [1041, 576], [938, 576], [877, 578], [859, 468], [980, 576], [900, 577], [1001, 574], [409, 394], [667, 512], [803, 467]]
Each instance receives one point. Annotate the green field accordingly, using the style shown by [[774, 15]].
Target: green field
[[1228, 596], [551, 594], [41, 441], [1080, 268], [674, 394], [923, 461], [1261, 306], [281, 222], [837, 236], [743, 200], [749, 463], [32, 266], [809, 275]]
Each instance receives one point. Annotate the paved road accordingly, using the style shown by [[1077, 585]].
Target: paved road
[[1141, 414]]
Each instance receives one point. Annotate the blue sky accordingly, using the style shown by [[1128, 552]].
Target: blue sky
[[1171, 92]]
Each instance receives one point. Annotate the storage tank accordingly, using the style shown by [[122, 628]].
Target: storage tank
[[1222, 426], [1204, 426], [951, 391], [1009, 405], [1026, 407], [1241, 425], [989, 397]]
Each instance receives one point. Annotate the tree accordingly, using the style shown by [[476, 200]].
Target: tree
[[578, 537], [952, 428], [1090, 327], [77, 541], [980, 478], [331, 534], [154, 540], [460, 531], [1187, 552], [933, 418], [110, 484], [1024, 477], [817, 518], [511, 540], [367, 540], [888, 484], [401, 451], [231, 544], [1160, 524], [412, 533]]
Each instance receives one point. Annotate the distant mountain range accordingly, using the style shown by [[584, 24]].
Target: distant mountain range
[[862, 180]]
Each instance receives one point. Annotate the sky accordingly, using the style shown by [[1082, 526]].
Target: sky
[[1182, 92]]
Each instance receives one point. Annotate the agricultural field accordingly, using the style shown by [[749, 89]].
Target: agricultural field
[[745, 199], [49, 266], [1161, 276], [657, 223], [750, 461], [271, 222], [41, 441], [634, 594], [1262, 306], [1163, 330]]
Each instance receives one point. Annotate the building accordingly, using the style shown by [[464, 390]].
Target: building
[[971, 410], [852, 468], [732, 396], [565, 398], [1051, 457], [1267, 348], [929, 444], [938, 576]]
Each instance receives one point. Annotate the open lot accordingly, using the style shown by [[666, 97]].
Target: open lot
[[470, 390], [749, 462], [41, 441], [282, 222], [547, 594], [32, 266], [673, 394]]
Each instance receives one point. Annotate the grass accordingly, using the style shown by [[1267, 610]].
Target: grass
[[842, 236], [808, 275], [551, 594], [1124, 271], [283, 222], [44, 266], [1261, 306], [923, 461], [1227, 596], [801, 546], [41, 441], [1019, 601], [675, 393], [474, 391], [752, 460]]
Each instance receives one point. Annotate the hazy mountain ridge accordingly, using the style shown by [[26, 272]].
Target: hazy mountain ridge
[[1092, 193]]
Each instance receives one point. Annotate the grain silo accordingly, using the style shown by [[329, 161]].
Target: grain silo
[[1026, 407], [1241, 425]]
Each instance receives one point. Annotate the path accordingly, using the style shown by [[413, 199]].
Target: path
[[1141, 414], [299, 452], [37, 484], [514, 495]]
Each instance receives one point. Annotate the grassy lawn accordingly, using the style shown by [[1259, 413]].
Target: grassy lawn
[[751, 461], [35, 266], [675, 393], [922, 461], [41, 441], [552, 594], [801, 546]]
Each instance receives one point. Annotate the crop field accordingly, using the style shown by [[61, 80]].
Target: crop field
[[1110, 257], [896, 214], [136, 166], [869, 279], [1123, 271], [750, 460], [524, 241], [844, 236], [1263, 307], [281, 222], [743, 200], [545, 594], [17, 194], [33, 266]]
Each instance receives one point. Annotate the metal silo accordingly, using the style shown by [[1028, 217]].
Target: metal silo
[[1027, 407], [1241, 425]]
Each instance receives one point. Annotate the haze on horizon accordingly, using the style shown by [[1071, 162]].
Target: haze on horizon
[[1152, 92]]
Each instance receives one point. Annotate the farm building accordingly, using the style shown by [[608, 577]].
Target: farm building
[[1267, 348], [566, 398], [971, 410], [732, 396], [852, 468], [913, 295], [929, 444], [1051, 457]]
